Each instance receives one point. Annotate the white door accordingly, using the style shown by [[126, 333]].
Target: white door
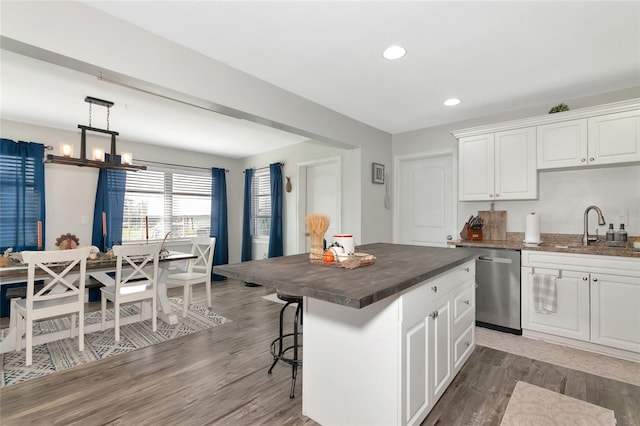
[[319, 193], [425, 200]]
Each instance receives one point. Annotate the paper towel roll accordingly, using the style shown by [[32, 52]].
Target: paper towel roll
[[532, 232]]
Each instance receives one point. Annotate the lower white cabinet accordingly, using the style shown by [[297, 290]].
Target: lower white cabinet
[[598, 298], [389, 362], [436, 343]]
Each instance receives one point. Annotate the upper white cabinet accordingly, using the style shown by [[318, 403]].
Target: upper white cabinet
[[614, 138], [562, 144], [495, 160], [605, 139], [500, 165]]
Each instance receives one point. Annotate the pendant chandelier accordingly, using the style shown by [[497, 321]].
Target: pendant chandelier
[[98, 154]]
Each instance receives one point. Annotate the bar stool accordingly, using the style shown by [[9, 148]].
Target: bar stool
[[279, 350]]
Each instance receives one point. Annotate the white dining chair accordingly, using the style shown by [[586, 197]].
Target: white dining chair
[[136, 280], [198, 272], [61, 295]]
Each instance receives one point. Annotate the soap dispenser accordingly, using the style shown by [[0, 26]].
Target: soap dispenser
[[621, 236], [611, 236]]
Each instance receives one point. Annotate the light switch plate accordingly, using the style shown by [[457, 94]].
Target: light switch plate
[[85, 220]]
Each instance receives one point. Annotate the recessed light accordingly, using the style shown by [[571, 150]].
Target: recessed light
[[394, 52], [452, 102]]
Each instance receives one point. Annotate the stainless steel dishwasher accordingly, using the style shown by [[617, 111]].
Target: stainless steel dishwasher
[[498, 289]]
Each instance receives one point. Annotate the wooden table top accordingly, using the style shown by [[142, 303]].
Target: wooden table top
[[397, 267], [12, 273]]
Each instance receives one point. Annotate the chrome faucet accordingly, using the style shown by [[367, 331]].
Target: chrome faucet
[[586, 240]]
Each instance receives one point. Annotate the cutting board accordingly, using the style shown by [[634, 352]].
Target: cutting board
[[495, 224]]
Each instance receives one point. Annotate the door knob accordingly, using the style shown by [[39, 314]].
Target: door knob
[[434, 288]]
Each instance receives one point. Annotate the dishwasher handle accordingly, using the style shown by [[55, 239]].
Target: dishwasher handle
[[494, 259]]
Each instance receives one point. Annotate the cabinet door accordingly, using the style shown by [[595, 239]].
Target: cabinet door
[[439, 341], [516, 175], [416, 398], [476, 168], [562, 144], [614, 138], [615, 311], [572, 316]]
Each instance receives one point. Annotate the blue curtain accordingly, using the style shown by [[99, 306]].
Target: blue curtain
[[110, 200], [247, 235], [219, 227], [22, 198], [276, 239]]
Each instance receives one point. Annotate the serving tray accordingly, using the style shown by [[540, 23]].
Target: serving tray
[[353, 261]]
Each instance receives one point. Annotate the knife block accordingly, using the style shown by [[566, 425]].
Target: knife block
[[471, 234]]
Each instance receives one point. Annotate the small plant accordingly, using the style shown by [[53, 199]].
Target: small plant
[[559, 108]]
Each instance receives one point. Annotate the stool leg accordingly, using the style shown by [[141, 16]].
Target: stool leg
[[294, 366], [281, 332]]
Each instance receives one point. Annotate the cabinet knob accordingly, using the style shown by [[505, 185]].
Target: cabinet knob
[[467, 344], [591, 159], [466, 269], [434, 314], [583, 160], [467, 302], [595, 280], [584, 278], [490, 195], [497, 195], [434, 288]]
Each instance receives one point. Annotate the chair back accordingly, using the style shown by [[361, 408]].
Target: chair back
[[203, 247], [136, 265], [64, 273]]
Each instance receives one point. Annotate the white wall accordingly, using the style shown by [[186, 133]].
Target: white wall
[[62, 28], [291, 157], [563, 195], [70, 190]]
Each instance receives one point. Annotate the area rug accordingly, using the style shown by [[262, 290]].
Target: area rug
[[535, 406], [62, 354]]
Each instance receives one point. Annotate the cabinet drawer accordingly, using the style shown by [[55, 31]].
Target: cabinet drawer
[[464, 302], [416, 299], [463, 345]]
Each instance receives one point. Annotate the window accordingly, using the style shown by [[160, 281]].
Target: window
[[176, 202], [261, 203], [22, 195]]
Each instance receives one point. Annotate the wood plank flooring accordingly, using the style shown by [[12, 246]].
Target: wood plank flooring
[[219, 376]]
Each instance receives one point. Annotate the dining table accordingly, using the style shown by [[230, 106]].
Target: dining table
[[100, 269]]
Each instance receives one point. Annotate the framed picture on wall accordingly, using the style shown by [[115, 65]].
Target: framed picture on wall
[[377, 173]]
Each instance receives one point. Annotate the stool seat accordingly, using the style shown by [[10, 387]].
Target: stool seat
[[279, 349]]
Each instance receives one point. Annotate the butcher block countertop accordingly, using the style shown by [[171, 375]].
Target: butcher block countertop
[[558, 243], [397, 267]]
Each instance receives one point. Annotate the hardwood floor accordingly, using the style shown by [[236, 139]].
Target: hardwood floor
[[219, 376]]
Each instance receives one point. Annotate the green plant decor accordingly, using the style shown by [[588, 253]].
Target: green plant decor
[[559, 108]]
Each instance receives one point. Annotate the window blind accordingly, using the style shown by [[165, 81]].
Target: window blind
[[261, 203]]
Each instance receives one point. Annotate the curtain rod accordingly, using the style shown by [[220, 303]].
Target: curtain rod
[[262, 168], [177, 165]]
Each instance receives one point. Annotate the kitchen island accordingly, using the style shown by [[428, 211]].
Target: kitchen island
[[381, 342]]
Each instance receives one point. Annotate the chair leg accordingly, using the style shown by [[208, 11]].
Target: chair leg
[[19, 325], [29, 341], [81, 328], [72, 327], [208, 289], [294, 369], [116, 320], [185, 297], [103, 307], [154, 314]]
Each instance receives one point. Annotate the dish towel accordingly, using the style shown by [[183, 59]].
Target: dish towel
[[545, 294]]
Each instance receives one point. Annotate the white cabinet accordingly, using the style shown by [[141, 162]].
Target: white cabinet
[[615, 311], [402, 352], [438, 337], [572, 316], [598, 298], [614, 138], [604, 139], [562, 144], [500, 165]]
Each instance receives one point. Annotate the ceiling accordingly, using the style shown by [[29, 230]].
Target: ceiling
[[494, 56]]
